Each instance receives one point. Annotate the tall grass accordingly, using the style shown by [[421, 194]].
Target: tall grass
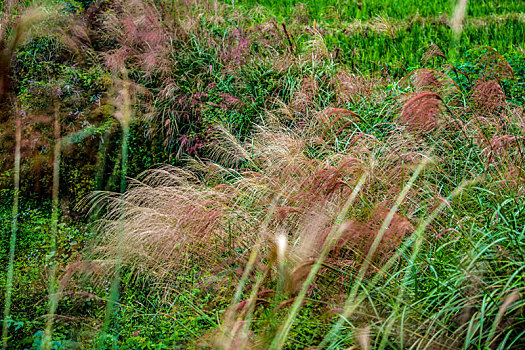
[[383, 209], [11, 36], [298, 210]]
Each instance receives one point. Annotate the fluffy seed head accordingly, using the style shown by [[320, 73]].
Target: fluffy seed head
[[420, 111]]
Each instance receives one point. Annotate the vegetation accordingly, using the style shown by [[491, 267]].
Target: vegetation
[[273, 174]]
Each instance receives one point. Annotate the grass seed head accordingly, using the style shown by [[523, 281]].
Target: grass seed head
[[420, 111]]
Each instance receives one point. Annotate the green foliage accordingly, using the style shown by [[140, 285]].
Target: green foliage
[[44, 63], [147, 322], [340, 11], [31, 266]]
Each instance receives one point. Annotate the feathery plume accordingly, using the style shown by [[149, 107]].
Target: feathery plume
[[420, 111]]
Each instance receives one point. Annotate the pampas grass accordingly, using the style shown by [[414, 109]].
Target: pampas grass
[[386, 213], [292, 207]]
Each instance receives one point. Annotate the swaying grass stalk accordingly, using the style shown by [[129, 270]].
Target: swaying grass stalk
[[52, 288], [230, 337], [415, 251], [21, 30], [280, 338], [14, 228], [101, 159], [228, 320], [366, 263], [417, 237], [459, 16], [124, 117], [457, 28]]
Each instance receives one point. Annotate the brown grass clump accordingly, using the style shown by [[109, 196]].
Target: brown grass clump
[[434, 80], [236, 50], [183, 223], [420, 111], [425, 79], [500, 149], [317, 50], [303, 98], [353, 87], [385, 24], [494, 66], [356, 238], [143, 40], [487, 97], [335, 120]]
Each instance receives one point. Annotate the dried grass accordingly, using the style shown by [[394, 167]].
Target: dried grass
[[171, 218], [421, 111], [432, 52]]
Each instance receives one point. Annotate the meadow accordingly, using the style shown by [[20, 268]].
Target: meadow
[[194, 174]]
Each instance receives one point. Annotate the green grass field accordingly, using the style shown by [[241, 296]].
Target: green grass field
[[348, 11], [385, 33]]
